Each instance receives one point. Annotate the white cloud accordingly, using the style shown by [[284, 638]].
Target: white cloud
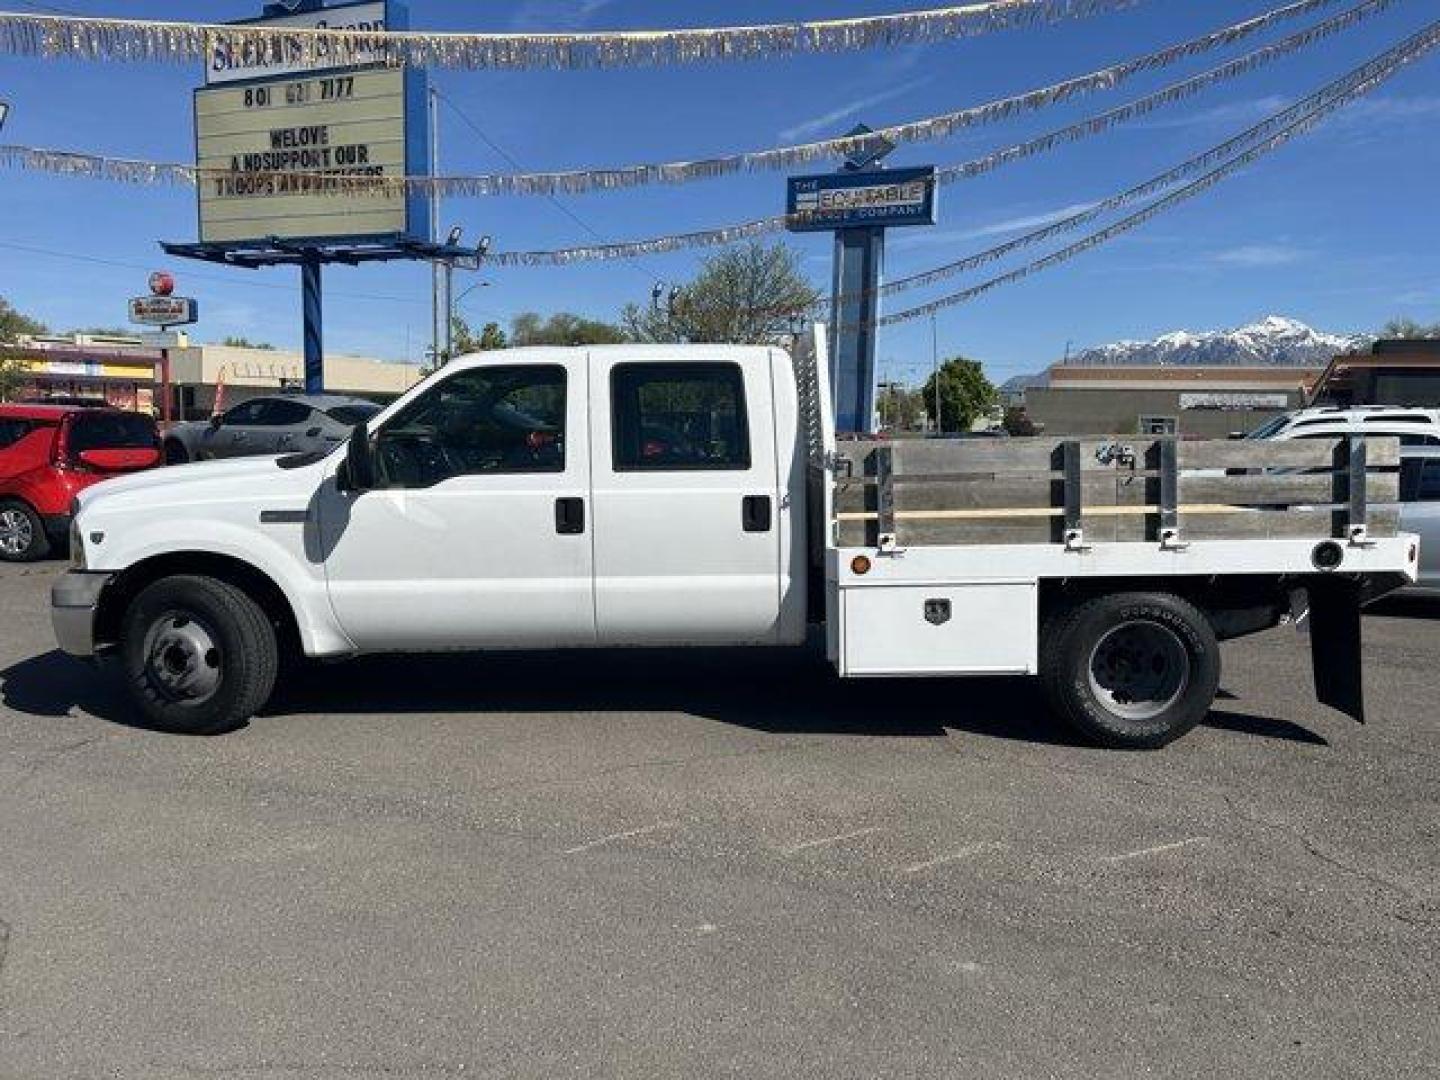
[[1253, 255], [1021, 223], [557, 15], [1235, 112], [819, 124]]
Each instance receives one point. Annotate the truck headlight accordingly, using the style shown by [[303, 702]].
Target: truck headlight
[[77, 546]]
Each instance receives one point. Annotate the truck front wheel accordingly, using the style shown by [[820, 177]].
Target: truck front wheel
[[1133, 671], [199, 656]]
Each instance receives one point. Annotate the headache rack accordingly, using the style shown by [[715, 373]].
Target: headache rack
[[1079, 492]]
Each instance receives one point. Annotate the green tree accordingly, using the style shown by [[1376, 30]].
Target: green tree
[[1409, 328], [14, 325], [901, 408], [246, 343], [965, 394], [747, 296], [562, 328], [1017, 422], [14, 368], [466, 341]]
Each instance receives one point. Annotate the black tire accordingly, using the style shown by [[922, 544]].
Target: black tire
[[22, 533], [1133, 671], [175, 453], [199, 657]]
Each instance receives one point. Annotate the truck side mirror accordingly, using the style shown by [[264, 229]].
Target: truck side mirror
[[358, 472]]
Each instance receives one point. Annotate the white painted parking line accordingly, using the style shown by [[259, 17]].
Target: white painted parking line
[[827, 841], [614, 837], [1154, 850], [954, 856]]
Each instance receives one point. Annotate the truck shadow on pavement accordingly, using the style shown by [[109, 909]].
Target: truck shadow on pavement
[[774, 691]]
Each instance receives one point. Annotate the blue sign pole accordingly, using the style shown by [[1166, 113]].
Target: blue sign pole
[[859, 262], [314, 325]]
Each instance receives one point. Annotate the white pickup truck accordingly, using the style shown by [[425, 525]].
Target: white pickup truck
[[696, 495]]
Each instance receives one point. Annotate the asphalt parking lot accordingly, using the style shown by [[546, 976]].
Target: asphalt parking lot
[[696, 864]]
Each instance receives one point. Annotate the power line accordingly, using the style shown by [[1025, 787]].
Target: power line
[[465, 118], [236, 281], [1417, 47]]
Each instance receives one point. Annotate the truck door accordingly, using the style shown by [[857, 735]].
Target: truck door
[[478, 533], [686, 496]]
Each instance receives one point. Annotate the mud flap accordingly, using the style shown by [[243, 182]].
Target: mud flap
[[1334, 620]]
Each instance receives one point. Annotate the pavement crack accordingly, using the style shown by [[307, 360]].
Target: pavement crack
[[1316, 852]]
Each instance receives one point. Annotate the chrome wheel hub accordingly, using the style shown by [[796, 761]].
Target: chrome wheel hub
[[182, 660], [1139, 669], [16, 532]]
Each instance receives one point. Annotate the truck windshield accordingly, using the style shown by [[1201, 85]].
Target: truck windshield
[[1269, 429]]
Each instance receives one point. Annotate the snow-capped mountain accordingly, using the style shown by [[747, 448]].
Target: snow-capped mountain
[[1271, 341]]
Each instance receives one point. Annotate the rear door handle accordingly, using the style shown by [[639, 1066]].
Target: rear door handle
[[569, 516], [755, 513]]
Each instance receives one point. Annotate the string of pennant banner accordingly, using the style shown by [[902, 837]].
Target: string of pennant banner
[[1272, 133], [1361, 83], [92, 38], [151, 172]]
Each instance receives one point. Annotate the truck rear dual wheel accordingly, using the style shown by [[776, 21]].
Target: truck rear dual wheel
[[199, 656], [1132, 671]]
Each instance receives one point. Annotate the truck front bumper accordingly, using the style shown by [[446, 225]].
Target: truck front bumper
[[74, 600]]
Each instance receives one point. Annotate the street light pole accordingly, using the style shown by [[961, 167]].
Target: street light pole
[[437, 332]]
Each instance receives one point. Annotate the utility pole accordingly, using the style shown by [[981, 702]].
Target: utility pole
[[935, 362], [437, 312]]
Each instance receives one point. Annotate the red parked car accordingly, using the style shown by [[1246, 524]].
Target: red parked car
[[48, 454]]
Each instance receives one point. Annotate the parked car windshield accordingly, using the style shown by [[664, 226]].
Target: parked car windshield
[[350, 415], [1269, 428], [111, 431]]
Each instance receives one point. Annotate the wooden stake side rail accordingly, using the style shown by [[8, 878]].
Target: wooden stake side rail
[[1083, 491]]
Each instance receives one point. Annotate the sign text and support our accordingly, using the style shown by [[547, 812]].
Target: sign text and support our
[[305, 158]]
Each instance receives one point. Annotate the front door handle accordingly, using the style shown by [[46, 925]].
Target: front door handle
[[569, 516], [755, 513]]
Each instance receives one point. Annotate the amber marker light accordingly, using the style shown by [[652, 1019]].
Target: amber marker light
[[860, 565]]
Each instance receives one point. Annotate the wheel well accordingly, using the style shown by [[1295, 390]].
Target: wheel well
[[255, 583], [1235, 604]]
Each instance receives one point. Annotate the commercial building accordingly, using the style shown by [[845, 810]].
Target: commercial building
[[124, 373], [1394, 372], [1207, 402]]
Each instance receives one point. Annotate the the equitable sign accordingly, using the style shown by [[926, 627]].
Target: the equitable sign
[[849, 200], [291, 158]]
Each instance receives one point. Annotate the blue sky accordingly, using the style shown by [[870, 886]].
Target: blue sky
[[1338, 229]]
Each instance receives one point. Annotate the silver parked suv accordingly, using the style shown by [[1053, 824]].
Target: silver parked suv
[[284, 424]]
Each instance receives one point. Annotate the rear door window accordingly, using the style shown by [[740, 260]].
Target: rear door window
[[111, 431], [281, 413], [676, 417]]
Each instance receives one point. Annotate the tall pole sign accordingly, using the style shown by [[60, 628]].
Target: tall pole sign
[[297, 156], [164, 309], [858, 204]]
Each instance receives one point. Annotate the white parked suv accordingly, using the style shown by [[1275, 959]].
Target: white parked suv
[[1413, 427]]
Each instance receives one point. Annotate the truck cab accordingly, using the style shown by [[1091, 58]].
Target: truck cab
[[527, 488]]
